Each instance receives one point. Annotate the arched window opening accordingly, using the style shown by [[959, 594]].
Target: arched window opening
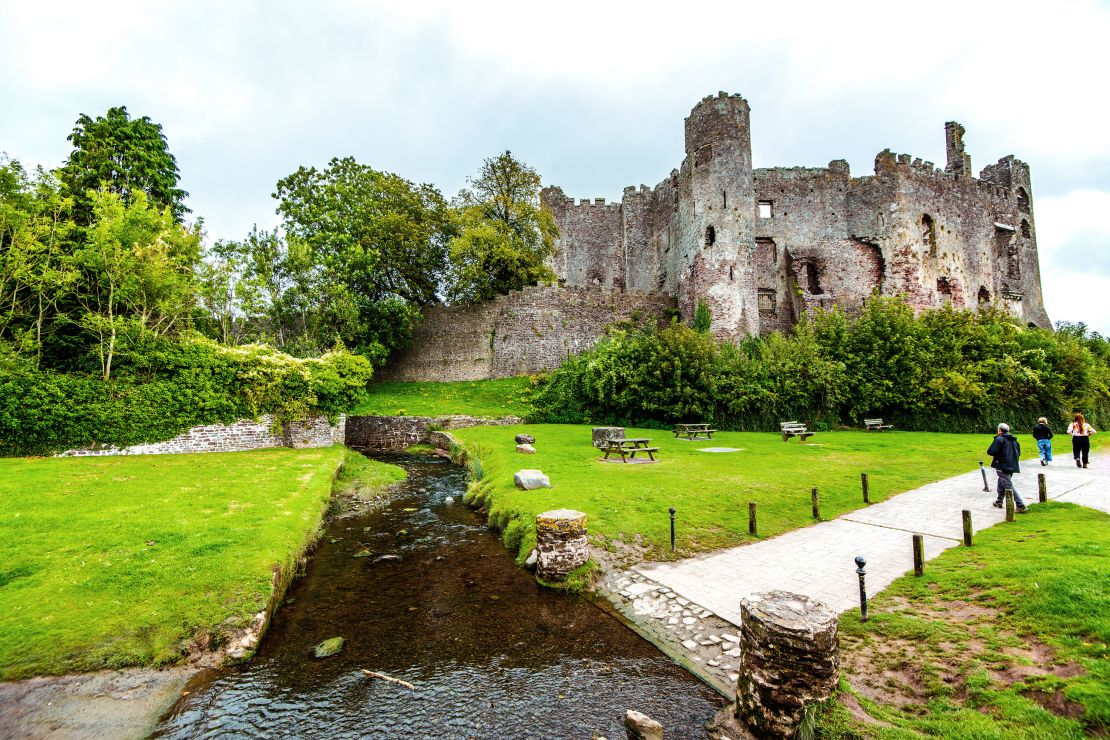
[[710, 236], [984, 294], [1023, 200], [929, 234], [812, 283], [1025, 230]]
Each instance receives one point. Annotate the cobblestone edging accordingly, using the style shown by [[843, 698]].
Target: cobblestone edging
[[242, 436], [688, 632]]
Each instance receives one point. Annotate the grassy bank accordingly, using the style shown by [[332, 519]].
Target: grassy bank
[[710, 491], [1010, 638], [485, 398], [119, 561]]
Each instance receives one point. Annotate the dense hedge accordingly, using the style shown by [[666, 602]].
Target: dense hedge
[[942, 370], [167, 388]]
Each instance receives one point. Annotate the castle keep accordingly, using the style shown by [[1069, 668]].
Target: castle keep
[[760, 247]]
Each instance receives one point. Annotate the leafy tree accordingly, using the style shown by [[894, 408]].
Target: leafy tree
[[702, 318], [124, 155], [504, 236]]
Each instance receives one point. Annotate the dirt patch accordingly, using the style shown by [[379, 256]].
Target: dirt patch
[[1057, 703], [851, 703]]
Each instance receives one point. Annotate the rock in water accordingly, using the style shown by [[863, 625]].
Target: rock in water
[[533, 557], [449, 500], [642, 727], [526, 449], [530, 479], [328, 648], [525, 439]]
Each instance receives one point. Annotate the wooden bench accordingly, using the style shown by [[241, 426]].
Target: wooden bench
[[693, 431], [629, 448], [876, 425], [794, 429]]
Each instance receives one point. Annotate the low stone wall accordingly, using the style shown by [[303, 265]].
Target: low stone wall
[[399, 432], [243, 435]]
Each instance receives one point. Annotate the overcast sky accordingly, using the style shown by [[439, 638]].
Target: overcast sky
[[591, 94]]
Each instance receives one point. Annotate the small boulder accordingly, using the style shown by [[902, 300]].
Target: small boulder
[[533, 558], [526, 449], [328, 648], [642, 727], [525, 439], [387, 558], [530, 479]]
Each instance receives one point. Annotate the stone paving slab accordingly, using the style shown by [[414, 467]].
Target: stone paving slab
[[818, 561]]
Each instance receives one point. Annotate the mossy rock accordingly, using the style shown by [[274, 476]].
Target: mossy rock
[[328, 648]]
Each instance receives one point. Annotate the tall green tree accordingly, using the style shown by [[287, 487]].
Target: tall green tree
[[504, 236], [123, 155], [367, 249]]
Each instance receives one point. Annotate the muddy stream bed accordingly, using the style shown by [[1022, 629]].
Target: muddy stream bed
[[490, 653]]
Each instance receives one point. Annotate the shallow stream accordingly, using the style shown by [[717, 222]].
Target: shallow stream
[[490, 653]]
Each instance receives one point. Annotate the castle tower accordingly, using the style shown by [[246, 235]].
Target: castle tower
[[959, 161], [716, 218]]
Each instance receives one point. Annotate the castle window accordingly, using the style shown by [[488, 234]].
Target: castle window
[[1025, 230], [724, 199], [984, 294], [730, 273], [765, 209], [1023, 200], [929, 234], [765, 252], [812, 283], [710, 236], [766, 301]]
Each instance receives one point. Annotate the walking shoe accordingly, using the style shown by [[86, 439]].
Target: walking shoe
[[1022, 509], [998, 504], [1044, 462], [1077, 463], [1084, 464]]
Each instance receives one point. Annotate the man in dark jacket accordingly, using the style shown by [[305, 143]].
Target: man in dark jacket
[[1005, 453]]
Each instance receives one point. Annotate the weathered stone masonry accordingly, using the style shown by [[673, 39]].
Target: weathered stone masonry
[[762, 246]]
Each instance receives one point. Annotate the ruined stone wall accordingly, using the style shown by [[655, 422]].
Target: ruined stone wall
[[525, 332], [591, 233], [399, 432], [242, 436]]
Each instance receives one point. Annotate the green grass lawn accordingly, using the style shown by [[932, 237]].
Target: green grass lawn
[[711, 491], [117, 561], [989, 639], [485, 398]]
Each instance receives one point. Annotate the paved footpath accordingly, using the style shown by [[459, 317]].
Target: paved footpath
[[818, 561]]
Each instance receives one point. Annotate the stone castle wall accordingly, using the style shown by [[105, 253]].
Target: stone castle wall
[[242, 436], [399, 432], [527, 331]]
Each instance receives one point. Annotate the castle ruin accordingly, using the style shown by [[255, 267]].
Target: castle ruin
[[760, 247]]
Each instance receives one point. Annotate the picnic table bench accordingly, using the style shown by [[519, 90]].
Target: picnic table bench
[[876, 425], [629, 448], [693, 431], [794, 429]]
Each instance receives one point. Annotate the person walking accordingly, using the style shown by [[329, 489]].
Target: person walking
[[1005, 453], [1043, 435], [1081, 433]]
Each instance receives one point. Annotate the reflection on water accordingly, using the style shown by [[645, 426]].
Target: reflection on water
[[491, 654]]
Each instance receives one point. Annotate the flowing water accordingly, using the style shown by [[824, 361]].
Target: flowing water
[[490, 653]]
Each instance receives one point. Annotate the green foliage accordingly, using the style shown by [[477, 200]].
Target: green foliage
[[169, 386], [117, 561], [125, 156], [943, 370], [702, 318], [483, 398], [504, 235]]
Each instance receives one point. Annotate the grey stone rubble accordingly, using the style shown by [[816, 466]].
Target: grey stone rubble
[[528, 479], [641, 727], [524, 439], [526, 449]]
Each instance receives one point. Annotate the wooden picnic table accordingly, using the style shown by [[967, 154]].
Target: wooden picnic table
[[693, 431], [629, 447]]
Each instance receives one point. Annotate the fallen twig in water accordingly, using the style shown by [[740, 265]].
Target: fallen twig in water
[[391, 679]]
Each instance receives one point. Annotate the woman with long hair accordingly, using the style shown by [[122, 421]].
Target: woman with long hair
[[1081, 433]]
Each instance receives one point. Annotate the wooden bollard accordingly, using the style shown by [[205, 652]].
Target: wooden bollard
[[967, 527], [815, 499], [866, 488], [751, 518], [1009, 504], [1042, 488], [918, 555]]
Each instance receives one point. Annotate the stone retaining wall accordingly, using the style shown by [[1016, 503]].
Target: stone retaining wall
[[243, 435], [399, 432]]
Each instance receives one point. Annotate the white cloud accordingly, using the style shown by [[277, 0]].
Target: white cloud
[[1073, 238]]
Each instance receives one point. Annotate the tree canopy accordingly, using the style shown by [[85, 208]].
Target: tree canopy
[[504, 235], [124, 155]]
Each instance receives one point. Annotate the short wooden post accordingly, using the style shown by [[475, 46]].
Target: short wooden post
[[751, 518], [815, 499], [967, 527], [1009, 504], [1042, 488], [918, 555], [866, 488]]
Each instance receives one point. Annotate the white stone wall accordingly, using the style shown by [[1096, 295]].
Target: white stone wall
[[243, 435]]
